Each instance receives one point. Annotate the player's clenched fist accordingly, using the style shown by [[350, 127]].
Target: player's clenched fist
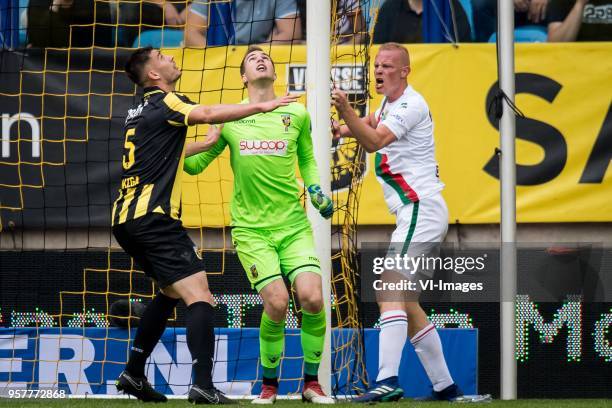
[[340, 101]]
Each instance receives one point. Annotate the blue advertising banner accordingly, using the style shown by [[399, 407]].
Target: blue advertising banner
[[87, 361]]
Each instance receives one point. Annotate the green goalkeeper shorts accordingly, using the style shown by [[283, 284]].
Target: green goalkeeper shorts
[[268, 254]]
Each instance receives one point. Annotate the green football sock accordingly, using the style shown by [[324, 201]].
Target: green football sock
[[271, 343], [313, 337]]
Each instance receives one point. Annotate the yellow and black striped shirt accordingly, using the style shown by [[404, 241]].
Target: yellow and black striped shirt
[[153, 155]]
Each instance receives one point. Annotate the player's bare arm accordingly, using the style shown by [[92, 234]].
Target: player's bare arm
[[340, 130], [229, 113], [214, 132], [371, 139]]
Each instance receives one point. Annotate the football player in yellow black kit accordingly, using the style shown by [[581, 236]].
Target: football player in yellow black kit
[[146, 221]]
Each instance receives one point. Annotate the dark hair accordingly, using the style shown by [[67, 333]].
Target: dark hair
[[252, 48], [135, 64]]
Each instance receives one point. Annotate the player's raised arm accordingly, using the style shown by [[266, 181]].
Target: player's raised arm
[[229, 113], [370, 138], [340, 130]]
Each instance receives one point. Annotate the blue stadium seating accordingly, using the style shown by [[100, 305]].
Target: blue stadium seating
[[166, 38], [531, 33]]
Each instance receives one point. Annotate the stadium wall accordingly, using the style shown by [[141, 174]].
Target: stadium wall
[[558, 340]]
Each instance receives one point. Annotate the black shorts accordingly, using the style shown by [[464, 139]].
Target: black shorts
[[161, 246]]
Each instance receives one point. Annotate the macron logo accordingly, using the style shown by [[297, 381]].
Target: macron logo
[[263, 147]]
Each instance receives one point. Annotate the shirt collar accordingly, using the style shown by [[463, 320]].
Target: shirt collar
[[152, 90]]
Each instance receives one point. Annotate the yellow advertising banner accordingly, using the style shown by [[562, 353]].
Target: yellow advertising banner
[[563, 142]]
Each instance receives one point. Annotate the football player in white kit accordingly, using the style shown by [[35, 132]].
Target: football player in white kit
[[400, 133]]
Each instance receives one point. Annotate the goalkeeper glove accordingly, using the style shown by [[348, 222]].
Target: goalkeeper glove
[[320, 201]]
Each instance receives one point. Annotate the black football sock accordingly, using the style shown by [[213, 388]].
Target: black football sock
[[200, 320], [150, 329]]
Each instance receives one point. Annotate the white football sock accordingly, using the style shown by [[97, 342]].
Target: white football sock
[[428, 348], [393, 335]]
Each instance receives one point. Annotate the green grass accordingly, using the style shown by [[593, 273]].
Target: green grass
[[111, 403]]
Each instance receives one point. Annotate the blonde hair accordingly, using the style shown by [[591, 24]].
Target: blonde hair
[[393, 46]]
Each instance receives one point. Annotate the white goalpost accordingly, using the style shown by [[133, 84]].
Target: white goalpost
[[508, 200], [318, 23]]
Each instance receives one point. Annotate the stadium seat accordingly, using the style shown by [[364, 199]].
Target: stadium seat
[[531, 33], [166, 38]]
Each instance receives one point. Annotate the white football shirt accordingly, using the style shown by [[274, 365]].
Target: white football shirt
[[407, 167]]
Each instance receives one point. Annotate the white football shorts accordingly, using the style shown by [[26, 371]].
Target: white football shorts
[[420, 228]]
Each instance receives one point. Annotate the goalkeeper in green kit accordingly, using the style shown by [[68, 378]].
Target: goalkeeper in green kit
[[270, 231]]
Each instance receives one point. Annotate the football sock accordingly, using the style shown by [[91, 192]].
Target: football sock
[[150, 329], [428, 348], [200, 320], [392, 338], [312, 337], [271, 343]]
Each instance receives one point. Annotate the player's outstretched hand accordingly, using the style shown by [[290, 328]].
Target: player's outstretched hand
[[320, 201], [280, 101]]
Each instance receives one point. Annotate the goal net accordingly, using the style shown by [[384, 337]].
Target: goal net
[[71, 296]]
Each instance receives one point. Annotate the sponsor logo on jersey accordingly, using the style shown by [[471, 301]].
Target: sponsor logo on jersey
[[286, 121], [246, 121], [253, 269], [132, 113], [263, 147]]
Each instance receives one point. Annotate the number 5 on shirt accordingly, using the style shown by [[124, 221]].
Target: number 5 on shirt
[[130, 147]]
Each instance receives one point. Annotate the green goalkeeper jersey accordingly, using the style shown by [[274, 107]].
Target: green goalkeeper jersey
[[263, 151]]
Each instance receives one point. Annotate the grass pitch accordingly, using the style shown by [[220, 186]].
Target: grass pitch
[[405, 403]]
